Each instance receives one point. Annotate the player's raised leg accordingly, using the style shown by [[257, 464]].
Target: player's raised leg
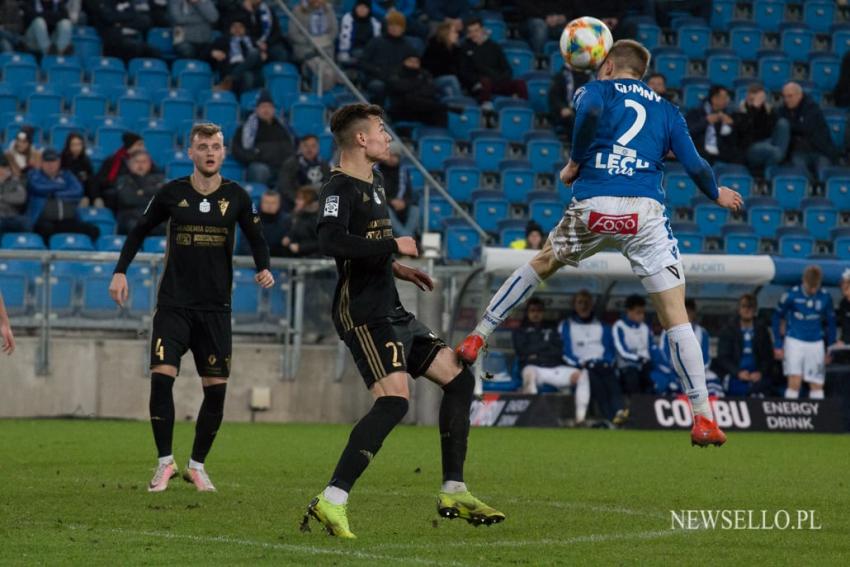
[[161, 407], [455, 500]]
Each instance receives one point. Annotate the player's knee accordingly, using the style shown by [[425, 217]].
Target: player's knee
[[393, 406], [529, 375], [463, 384], [166, 369]]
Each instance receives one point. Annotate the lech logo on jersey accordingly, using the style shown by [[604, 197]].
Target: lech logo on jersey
[[222, 206], [204, 206]]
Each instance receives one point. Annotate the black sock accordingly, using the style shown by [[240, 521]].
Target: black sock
[[366, 439], [454, 423], [161, 408], [209, 420]]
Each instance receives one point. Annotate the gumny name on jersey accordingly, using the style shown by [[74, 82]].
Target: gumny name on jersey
[[639, 90]]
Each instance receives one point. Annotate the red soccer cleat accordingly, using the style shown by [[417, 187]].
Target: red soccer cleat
[[705, 432], [468, 350]]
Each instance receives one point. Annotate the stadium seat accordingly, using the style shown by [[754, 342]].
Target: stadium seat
[[155, 244], [556, 62], [307, 118], [819, 14], [152, 80], [745, 40], [195, 78], [841, 243], [774, 71], [179, 168], [138, 64], [517, 183], [710, 218], [462, 241], [22, 241], [71, 241], [520, 60], [101, 217], [795, 242], [232, 169], [546, 212], [544, 154], [177, 106], [14, 284], [181, 65], [819, 217], [63, 126], [824, 71], [434, 150], [221, 109], [722, 14], [790, 189], [134, 106], [673, 66], [689, 242], [514, 122], [838, 191], [44, 102], [326, 145], [62, 69], [108, 135], [510, 230], [538, 94], [836, 119], [162, 39], [278, 297], [461, 181], [488, 208], [497, 28], [739, 242], [142, 285], [94, 281], [88, 106], [694, 92], [110, 242], [648, 34], [679, 189], [439, 210], [87, 46], [20, 70], [768, 14], [109, 81], [159, 141], [488, 152], [461, 124], [723, 69], [740, 182], [245, 301], [8, 102], [841, 42], [694, 40], [797, 42], [765, 216], [16, 122]]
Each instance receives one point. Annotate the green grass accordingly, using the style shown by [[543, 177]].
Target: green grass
[[74, 492]]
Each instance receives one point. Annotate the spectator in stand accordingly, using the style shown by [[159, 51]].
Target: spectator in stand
[[539, 351], [13, 198], [320, 20], [713, 129], [49, 26], [407, 8], [123, 27], [237, 59], [544, 21], [798, 331], [588, 345], [811, 143], [744, 352], [634, 343], [384, 55], [843, 312], [22, 154], [75, 160], [303, 238], [533, 238], [561, 91], [263, 26], [484, 69], [414, 96], [10, 27], [357, 28], [305, 168], [442, 59], [54, 194], [135, 189], [103, 186], [193, 22], [658, 83], [403, 205], [159, 13], [263, 142], [841, 94], [762, 135], [275, 225]]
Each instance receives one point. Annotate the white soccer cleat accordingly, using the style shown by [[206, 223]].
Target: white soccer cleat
[[199, 478], [163, 473]]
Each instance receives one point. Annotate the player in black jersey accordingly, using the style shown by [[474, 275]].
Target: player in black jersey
[[193, 304], [386, 341]]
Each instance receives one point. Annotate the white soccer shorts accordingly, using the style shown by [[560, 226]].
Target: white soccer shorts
[[556, 376], [636, 226], [806, 359]]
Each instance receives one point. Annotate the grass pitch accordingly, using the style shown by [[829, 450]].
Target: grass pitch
[[74, 492]]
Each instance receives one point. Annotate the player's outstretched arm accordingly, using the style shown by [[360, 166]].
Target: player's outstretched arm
[[337, 242], [249, 222], [6, 329], [417, 277]]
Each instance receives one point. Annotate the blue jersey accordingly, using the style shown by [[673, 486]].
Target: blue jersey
[[804, 316], [623, 132]]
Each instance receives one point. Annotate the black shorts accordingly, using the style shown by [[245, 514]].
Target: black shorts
[[206, 333], [392, 346]]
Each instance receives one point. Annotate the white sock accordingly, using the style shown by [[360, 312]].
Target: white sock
[[196, 465], [582, 396], [791, 394], [166, 459], [453, 486], [514, 291], [816, 394], [335, 495], [687, 361]]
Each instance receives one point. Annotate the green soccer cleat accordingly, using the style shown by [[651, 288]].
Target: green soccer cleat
[[333, 517], [466, 506]]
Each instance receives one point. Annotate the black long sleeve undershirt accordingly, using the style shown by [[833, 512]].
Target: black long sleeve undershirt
[[336, 242]]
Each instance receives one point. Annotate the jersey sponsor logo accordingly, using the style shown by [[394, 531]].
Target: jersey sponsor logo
[[183, 204], [674, 270], [613, 224], [253, 208], [205, 206], [365, 197], [331, 206], [377, 194], [620, 164], [222, 206]]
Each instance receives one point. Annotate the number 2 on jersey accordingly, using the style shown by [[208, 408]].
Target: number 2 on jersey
[[636, 126]]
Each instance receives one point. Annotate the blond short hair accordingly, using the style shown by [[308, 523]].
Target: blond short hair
[[204, 130], [630, 54]]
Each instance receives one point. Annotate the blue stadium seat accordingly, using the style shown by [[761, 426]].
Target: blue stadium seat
[[694, 40], [694, 91], [98, 62], [108, 135], [177, 107], [16, 122], [195, 79], [96, 301], [87, 46], [7, 57], [497, 28], [162, 39], [710, 218], [679, 189], [838, 191], [18, 71], [556, 62], [765, 216], [221, 109], [836, 119], [740, 182], [819, 14], [8, 102], [689, 242], [520, 60], [62, 69], [510, 230], [146, 63], [232, 169], [723, 69], [246, 295], [63, 278], [142, 287], [326, 145], [109, 81], [179, 168], [544, 154], [461, 125], [841, 242], [101, 217], [797, 42], [768, 14], [14, 284], [546, 212], [648, 34], [790, 189], [745, 40], [795, 242], [71, 241], [462, 241], [155, 244], [774, 71], [462, 181], [740, 241], [110, 242], [181, 65], [488, 152], [134, 106], [824, 71], [152, 80], [722, 14], [22, 241], [517, 183], [278, 297], [841, 42], [88, 106], [44, 102], [819, 217], [434, 150], [159, 141], [307, 118], [489, 207], [673, 66], [514, 122], [63, 126], [439, 209]]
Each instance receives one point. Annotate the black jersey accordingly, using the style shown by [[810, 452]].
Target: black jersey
[[354, 227], [201, 233]]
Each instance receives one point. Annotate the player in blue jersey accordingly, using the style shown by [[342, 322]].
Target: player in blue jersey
[[622, 133], [798, 331]]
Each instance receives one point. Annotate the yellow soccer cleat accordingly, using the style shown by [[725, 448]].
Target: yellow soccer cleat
[[334, 517], [466, 506]]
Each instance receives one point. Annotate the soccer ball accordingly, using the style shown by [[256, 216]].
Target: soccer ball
[[585, 43]]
